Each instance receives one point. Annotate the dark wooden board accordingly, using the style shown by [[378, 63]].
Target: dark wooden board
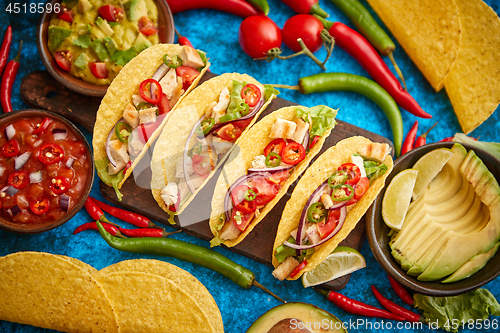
[[40, 90]]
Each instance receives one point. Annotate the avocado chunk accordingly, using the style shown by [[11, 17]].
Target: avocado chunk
[[57, 36], [104, 26], [296, 317], [100, 49], [136, 9], [141, 43], [110, 45], [81, 62]]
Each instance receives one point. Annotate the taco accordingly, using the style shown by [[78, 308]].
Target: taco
[[207, 126], [137, 105], [271, 157], [327, 203]]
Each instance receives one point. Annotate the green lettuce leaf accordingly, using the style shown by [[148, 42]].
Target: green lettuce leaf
[[449, 312], [121, 58], [269, 91], [320, 118], [114, 180], [236, 103], [374, 169]]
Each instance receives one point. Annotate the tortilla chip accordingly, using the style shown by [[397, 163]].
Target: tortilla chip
[[428, 30], [120, 92], [183, 279], [473, 84], [170, 145], [251, 145], [314, 176], [149, 303], [48, 291]]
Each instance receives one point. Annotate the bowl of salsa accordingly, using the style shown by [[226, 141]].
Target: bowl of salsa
[[85, 43], [46, 171]]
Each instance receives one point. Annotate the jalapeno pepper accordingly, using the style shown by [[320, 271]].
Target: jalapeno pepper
[[42, 126], [205, 127], [174, 62], [143, 106], [275, 146], [250, 195], [351, 168], [19, 179], [273, 160], [119, 128], [40, 207], [293, 153], [316, 212], [50, 153], [145, 92], [332, 181], [59, 185], [11, 148], [343, 187], [230, 116]]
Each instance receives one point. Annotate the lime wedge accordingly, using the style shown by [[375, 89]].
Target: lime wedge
[[428, 166], [397, 198], [344, 260]]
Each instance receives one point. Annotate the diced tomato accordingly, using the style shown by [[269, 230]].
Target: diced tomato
[[42, 126], [65, 14], [19, 179], [293, 153], [265, 191], [35, 192], [229, 132], [326, 228], [39, 207], [241, 220], [314, 141], [275, 146], [11, 148], [279, 178], [59, 185], [242, 123], [251, 94], [203, 168], [361, 188], [111, 13], [197, 158], [188, 75], [352, 169], [240, 203], [146, 26], [298, 269], [63, 60], [164, 106], [99, 70]]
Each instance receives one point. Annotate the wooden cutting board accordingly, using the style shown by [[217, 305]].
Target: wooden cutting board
[[40, 90]]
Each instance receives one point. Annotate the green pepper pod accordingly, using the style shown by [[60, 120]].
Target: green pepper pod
[[273, 160], [118, 131], [347, 186], [230, 116], [173, 62], [205, 127], [349, 82], [250, 195], [143, 106], [316, 209]]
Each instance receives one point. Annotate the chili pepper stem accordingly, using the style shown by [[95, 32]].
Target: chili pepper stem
[[427, 132], [177, 33], [284, 86], [322, 291], [167, 234], [258, 285], [151, 224], [396, 68]]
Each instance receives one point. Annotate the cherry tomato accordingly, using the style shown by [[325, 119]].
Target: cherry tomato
[[314, 141], [197, 158], [42, 126], [99, 70], [251, 94], [11, 148], [303, 26], [188, 75], [50, 153], [279, 178], [111, 13], [326, 227], [203, 168], [298, 269], [360, 190], [65, 14], [146, 26], [19, 179], [258, 34], [275, 146], [293, 153], [265, 191], [63, 60], [229, 132], [242, 123], [353, 172], [39, 207], [240, 203], [241, 220], [59, 185]]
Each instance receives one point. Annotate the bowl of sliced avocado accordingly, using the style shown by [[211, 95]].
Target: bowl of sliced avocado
[[449, 233], [85, 43]]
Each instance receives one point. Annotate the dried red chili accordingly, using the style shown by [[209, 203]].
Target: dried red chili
[[8, 78], [409, 142], [4, 50]]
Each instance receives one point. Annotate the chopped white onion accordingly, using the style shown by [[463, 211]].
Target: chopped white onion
[[10, 131], [35, 177], [69, 162], [21, 160], [59, 134], [2, 170]]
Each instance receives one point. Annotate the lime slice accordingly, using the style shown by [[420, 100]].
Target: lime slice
[[344, 260], [397, 198], [428, 167]]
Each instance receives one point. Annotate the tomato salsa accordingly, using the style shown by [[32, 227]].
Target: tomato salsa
[[44, 170]]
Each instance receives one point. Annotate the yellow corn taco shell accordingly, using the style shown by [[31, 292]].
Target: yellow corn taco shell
[[250, 146], [119, 94], [314, 176], [170, 145]]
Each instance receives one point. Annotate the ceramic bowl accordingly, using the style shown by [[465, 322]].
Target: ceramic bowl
[[165, 31], [377, 234], [37, 228]]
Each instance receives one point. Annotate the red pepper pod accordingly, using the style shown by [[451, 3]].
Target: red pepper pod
[[409, 142], [401, 291], [395, 308], [93, 226], [4, 50], [147, 232], [422, 140], [8, 78], [236, 7], [306, 7], [95, 212]]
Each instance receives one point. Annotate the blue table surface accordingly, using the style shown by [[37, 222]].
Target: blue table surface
[[217, 34]]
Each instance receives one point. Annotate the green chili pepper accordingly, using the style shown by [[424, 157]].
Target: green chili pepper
[[205, 127], [143, 106], [118, 131], [185, 251], [340, 187], [273, 160], [332, 182], [230, 116], [250, 195], [316, 209], [196, 149], [174, 62], [349, 82]]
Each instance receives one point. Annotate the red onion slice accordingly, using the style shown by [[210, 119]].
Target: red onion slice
[[70, 161], [35, 177], [270, 170], [250, 114], [110, 134], [9, 190], [21, 160], [64, 202], [10, 131], [59, 134], [184, 155], [305, 142], [13, 211]]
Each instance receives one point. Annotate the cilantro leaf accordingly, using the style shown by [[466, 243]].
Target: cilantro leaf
[[122, 57], [83, 41]]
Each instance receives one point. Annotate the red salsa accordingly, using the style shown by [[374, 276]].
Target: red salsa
[[44, 170]]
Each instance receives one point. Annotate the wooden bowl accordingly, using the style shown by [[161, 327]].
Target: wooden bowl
[[37, 228], [165, 32], [377, 233]]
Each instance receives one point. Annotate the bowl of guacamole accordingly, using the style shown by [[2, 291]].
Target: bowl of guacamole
[[85, 43]]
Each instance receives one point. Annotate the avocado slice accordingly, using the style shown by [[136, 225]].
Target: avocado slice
[[136, 9], [141, 43], [296, 317], [57, 35]]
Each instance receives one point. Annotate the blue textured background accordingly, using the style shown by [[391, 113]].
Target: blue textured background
[[216, 33]]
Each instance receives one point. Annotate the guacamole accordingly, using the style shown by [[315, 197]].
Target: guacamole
[[94, 39]]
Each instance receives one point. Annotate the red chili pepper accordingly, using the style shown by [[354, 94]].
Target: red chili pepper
[[183, 40], [396, 309], [297, 269], [147, 232], [19, 179], [144, 91], [421, 140], [448, 139], [50, 153], [122, 214], [40, 207], [59, 185], [4, 51], [356, 307], [409, 142], [361, 50], [94, 211], [11, 148], [236, 7], [305, 7], [314, 141], [93, 226], [8, 79], [401, 291], [42, 126], [293, 153]]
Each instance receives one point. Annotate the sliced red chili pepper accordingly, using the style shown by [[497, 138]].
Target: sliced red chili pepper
[[164, 106], [293, 153], [59, 185], [50, 153], [19, 179], [275, 146], [251, 94], [11, 148], [40, 206], [128, 165], [298, 269], [42, 126], [144, 90], [351, 169], [238, 196], [314, 141]]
